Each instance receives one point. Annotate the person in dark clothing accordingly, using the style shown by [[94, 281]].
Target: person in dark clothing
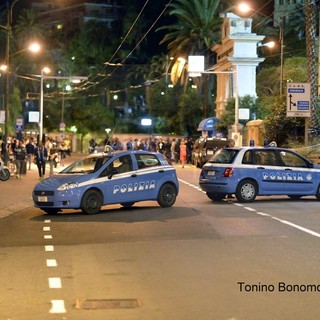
[[30, 153], [40, 156], [20, 155]]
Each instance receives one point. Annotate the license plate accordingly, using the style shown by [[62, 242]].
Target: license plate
[[209, 151], [211, 173], [43, 199]]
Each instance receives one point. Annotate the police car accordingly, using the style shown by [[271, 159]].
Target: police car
[[251, 171], [123, 177]]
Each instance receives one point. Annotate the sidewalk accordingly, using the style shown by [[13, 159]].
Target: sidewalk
[[16, 194]]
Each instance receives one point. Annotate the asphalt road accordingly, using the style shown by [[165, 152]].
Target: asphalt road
[[196, 260]]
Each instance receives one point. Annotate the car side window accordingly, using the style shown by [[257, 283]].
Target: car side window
[[247, 157], [290, 159], [147, 160], [265, 158], [123, 164], [120, 165]]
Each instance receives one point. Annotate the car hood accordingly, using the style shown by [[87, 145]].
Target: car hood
[[55, 181]]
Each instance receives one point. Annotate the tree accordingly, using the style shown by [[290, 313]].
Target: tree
[[279, 127], [174, 111], [310, 16]]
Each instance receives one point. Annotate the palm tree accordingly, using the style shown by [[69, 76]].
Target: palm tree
[[310, 14], [28, 28], [197, 28]]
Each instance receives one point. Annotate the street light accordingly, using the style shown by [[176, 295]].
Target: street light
[[7, 27], [245, 8], [43, 71], [196, 68], [73, 79]]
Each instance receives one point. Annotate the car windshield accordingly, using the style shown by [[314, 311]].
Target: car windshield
[[224, 156], [86, 165]]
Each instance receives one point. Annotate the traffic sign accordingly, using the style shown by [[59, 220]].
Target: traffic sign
[[298, 100], [19, 124]]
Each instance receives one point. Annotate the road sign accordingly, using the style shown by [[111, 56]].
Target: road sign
[[298, 100], [19, 124]]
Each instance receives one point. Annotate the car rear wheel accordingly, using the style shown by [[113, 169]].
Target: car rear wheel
[[167, 195], [216, 196], [246, 191], [91, 202]]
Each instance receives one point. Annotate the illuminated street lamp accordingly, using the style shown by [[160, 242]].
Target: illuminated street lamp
[[245, 8], [73, 79]]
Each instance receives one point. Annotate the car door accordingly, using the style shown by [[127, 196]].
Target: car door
[[299, 178], [269, 171], [120, 180]]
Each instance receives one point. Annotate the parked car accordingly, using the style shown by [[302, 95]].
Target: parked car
[[204, 148], [251, 171], [123, 177]]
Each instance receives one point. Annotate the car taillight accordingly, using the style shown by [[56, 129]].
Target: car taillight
[[228, 172]]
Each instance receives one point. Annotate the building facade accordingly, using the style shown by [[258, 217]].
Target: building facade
[[237, 53]]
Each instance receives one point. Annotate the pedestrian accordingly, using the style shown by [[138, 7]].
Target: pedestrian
[[40, 157], [30, 152], [20, 155], [53, 157], [183, 153]]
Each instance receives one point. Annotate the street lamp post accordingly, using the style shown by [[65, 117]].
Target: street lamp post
[[196, 68], [7, 85], [74, 79], [243, 7]]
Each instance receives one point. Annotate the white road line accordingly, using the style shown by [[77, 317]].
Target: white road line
[[47, 221], [55, 283], [46, 228], [52, 263], [293, 225], [249, 209], [57, 306], [49, 248], [47, 236], [313, 233]]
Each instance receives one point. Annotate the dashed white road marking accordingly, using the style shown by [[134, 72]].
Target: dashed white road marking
[[293, 225], [55, 283], [52, 263], [57, 306], [191, 185]]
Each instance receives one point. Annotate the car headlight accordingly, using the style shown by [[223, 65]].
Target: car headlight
[[69, 185]]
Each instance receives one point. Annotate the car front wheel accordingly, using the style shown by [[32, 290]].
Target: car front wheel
[[91, 202], [318, 193], [167, 195], [247, 191]]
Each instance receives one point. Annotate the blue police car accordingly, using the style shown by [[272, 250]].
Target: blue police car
[[123, 177], [251, 171]]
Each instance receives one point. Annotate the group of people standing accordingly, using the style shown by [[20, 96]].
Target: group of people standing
[[178, 150], [20, 154]]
